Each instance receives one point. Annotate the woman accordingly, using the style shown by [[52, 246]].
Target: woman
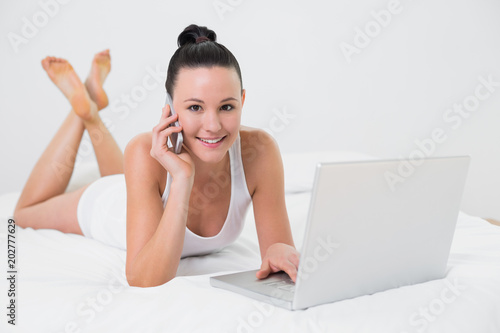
[[177, 205]]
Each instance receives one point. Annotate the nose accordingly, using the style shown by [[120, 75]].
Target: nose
[[211, 121]]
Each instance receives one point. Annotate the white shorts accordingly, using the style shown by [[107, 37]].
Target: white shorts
[[102, 211]]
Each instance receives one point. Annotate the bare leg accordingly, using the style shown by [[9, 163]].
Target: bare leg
[[43, 202], [51, 174], [108, 153]]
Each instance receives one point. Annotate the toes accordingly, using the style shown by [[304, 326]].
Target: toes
[[47, 62], [103, 54]]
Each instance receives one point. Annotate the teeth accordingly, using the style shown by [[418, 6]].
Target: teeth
[[211, 141]]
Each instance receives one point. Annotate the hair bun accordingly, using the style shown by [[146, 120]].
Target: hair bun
[[194, 34]]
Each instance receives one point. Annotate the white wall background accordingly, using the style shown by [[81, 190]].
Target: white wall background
[[394, 91]]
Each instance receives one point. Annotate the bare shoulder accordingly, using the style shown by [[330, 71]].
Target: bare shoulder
[[258, 141], [139, 164], [138, 148], [260, 154]]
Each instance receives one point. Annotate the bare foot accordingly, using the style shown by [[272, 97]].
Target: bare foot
[[101, 65], [64, 77]]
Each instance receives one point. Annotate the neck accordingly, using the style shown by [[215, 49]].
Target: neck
[[204, 172]]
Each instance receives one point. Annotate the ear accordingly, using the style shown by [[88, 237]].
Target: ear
[[243, 93]]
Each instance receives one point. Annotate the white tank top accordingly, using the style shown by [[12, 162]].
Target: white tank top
[[102, 211], [238, 205]]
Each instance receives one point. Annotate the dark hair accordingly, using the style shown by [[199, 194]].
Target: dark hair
[[198, 48]]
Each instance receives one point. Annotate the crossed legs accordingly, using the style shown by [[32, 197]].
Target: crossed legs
[[43, 203]]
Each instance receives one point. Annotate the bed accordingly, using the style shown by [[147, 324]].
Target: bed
[[67, 283]]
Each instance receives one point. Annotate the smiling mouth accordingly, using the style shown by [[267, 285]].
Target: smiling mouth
[[211, 141]]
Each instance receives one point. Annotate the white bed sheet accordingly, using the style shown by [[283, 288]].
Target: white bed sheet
[[67, 283]]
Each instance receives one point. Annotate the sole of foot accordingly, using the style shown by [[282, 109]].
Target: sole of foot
[[101, 66], [65, 78]]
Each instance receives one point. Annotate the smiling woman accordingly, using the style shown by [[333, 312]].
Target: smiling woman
[[167, 206], [199, 213]]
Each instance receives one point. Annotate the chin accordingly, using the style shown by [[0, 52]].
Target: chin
[[211, 157]]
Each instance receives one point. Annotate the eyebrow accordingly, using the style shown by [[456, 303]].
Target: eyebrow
[[200, 101]]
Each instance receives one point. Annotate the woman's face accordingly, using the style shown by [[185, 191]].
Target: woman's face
[[209, 103]]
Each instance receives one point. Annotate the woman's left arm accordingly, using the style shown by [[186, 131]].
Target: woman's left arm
[[277, 249]]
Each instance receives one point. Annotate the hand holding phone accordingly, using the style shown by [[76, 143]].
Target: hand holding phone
[[176, 138]]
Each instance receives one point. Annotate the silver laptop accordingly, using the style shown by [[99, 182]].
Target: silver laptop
[[372, 226]]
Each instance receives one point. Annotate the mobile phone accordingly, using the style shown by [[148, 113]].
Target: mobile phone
[[176, 138]]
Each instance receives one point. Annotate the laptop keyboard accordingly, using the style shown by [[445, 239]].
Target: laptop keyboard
[[286, 284]]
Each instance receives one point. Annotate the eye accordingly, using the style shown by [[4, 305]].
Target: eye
[[227, 107], [195, 108]]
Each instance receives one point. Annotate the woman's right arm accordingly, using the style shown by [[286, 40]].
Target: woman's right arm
[[155, 236]]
